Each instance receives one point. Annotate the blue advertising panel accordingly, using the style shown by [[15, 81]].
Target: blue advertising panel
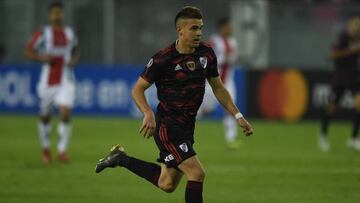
[[100, 89]]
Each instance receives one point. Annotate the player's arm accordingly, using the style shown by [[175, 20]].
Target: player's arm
[[342, 49], [223, 96], [34, 56], [31, 49], [75, 55], [340, 53], [138, 94]]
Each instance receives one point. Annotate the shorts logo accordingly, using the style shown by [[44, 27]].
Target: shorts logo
[[203, 61], [150, 63], [190, 65], [184, 147], [178, 67], [168, 158]]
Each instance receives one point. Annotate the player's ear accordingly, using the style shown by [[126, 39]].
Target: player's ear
[[178, 28]]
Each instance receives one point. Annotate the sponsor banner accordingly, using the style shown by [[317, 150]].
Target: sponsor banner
[[291, 94], [100, 89]]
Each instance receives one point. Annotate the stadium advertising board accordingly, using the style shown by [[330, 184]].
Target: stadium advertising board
[[100, 90], [291, 94]]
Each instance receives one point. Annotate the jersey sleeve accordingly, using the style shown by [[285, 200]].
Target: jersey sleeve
[[75, 42], [152, 70], [212, 70], [35, 41]]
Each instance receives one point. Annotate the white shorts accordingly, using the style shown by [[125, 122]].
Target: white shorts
[[61, 95]]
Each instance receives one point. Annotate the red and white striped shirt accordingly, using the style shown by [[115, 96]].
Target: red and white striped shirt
[[59, 44], [226, 52]]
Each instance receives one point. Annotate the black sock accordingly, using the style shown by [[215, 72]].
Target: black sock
[[356, 125], [149, 171], [193, 193], [325, 123]]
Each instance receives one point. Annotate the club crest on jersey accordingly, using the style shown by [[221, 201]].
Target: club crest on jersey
[[191, 65], [150, 63], [184, 147], [203, 61]]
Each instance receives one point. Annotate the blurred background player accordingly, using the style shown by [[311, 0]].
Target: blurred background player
[[345, 54], [225, 47], [55, 45]]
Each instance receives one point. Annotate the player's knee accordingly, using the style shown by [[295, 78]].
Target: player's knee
[[357, 108], [197, 174], [167, 187], [65, 115], [357, 103], [45, 118], [65, 119]]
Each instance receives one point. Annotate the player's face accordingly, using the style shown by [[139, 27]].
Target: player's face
[[56, 16], [190, 31], [226, 29], [354, 26]]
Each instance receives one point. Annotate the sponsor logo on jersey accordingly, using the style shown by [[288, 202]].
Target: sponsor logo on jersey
[[178, 67], [169, 157], [150, 63], [203, 61], [184, 147], [191, 65]]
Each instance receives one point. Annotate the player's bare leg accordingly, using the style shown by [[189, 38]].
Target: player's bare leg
[[195, 175], [44, 127], [169, 178], [353, 142], [64, 130]]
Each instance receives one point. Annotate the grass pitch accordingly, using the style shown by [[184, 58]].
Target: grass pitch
[[280, 163]]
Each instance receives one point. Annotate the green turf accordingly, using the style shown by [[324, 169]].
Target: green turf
[[280, 163]]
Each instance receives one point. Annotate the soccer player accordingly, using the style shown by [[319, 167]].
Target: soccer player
[[225, 47], [345, 54], [55, 45], [179, 72]]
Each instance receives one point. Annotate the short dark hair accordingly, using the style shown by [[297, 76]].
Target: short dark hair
[[55, 4], [223, 21], [188, 12]]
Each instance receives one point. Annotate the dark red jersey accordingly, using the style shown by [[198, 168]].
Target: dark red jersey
[[180, 82]]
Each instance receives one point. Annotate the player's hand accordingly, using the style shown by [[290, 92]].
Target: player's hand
[[149, 124], [245, 125], [72, 62], [45, 58]]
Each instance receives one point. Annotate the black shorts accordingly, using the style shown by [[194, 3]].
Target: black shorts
[[339, 90], [175, 144]]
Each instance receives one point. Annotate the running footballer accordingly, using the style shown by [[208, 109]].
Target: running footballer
[[179, 72]]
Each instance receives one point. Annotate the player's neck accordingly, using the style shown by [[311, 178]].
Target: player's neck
[[57, 26], [182, 48], [224, 35]]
